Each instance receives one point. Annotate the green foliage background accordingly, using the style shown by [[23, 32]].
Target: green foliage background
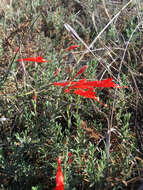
[[35, 133]]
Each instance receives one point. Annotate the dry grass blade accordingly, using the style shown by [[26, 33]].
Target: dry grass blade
[[76, 36], [103, 30], [105, 9], [111, 120]]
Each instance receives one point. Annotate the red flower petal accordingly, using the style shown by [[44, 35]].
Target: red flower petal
[[81, 71], [16, 50], [33, 59], [35, 96], [67, 90], [103, 83], [72, 47], [69, 83], [70, 158], [61, 83], [59, 177], [88, 94], [83, 84], [69, 154]]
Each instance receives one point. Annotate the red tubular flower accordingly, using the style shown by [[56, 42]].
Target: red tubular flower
[[72, 47], [88, 85], [35, 96], [79, 84], [69, 154], [83, 84], [103, 83], [61, 83], [88, 94], [69, 83], [33, 59], [59, 176], [16, 50], [70, 158], [81, 71]]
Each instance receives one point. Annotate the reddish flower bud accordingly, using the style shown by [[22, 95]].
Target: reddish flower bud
[[59, 176], [72, 47], [33, 59]]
